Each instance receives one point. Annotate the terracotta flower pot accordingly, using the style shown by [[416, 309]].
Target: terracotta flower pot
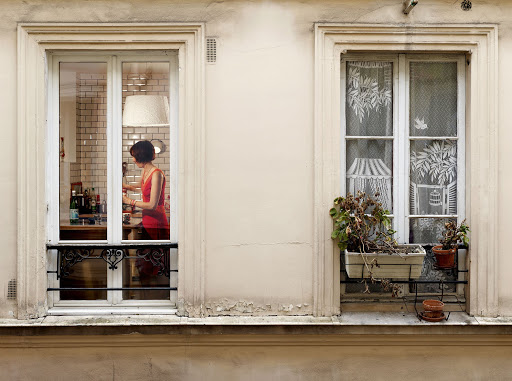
[[433, 308], [445, 258]]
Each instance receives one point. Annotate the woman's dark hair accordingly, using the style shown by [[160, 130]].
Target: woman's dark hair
[[143, 151]]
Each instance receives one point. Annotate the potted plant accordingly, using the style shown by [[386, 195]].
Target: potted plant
[[362, 228], [453, 234]]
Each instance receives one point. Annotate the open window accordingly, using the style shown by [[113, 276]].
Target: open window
[[104, 251]]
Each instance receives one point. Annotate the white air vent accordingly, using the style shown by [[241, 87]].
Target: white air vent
[[11, 289], [211, 50]]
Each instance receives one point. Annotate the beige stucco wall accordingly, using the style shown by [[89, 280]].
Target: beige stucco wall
[[217, 360], [259, 133]]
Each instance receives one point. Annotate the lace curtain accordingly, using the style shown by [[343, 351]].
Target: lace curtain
[[433, 161], [433, 151], [369, 113]]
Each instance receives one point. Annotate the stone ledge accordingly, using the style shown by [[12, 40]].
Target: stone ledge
[[354, 323]]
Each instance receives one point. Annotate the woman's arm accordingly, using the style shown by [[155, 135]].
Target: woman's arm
[[157, 181], [130, 187]]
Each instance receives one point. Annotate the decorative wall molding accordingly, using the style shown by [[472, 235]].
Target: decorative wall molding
[[479, 43], [34, 43], [244, 338]]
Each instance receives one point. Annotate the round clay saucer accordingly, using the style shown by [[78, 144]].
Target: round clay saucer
[[432, 319]]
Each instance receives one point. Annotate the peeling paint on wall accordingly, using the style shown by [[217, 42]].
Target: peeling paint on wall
[[249, 308], [226, 307]]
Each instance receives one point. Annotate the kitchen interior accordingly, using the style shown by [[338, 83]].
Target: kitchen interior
[[83, 163]]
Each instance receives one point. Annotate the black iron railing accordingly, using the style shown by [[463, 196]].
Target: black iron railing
[[69, 255]]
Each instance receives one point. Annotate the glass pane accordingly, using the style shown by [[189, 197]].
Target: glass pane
[[146, 153], [83, 150], [433, 175], [433, 99], [370, 169], [427, 230], [85, 274], [369, 98], [148, 271]]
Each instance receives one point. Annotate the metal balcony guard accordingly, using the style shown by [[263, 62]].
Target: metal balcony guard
[[68, 255]]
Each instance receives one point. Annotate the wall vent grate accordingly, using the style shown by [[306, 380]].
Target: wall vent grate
[[12, 289], [211, 50]]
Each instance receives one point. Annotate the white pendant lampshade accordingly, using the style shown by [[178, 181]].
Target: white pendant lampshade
[[146, 110]]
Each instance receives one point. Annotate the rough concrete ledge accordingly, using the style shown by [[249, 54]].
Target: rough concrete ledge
[[354, 323]]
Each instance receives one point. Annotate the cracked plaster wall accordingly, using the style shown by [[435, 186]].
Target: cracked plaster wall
[[259, 126]]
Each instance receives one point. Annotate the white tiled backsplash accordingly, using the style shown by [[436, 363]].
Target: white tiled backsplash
[[91, 138]]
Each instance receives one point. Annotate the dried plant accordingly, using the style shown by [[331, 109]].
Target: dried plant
[[362, 225], [454, 234]]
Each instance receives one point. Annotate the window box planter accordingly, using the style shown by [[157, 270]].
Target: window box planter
[[391, 266]]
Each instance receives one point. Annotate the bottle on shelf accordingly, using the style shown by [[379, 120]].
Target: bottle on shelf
[[93, 201], [87, 204], [73, 209], [104, 207]]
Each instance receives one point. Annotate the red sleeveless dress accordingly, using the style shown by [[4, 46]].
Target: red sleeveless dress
[[154, 221]]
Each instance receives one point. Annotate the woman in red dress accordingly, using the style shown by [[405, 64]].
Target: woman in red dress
[[155, 225], [154, 218]]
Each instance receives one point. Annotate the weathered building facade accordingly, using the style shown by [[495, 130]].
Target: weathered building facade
[[267, 124]]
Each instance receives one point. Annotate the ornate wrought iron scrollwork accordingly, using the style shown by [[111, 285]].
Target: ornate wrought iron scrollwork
[[113, 257], [158, 257], [71, 257]]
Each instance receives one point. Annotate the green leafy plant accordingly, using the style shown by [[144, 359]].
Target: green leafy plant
[[454, 234]]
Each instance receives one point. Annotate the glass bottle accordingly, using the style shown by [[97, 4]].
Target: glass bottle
[[93, 201], [73, 209]]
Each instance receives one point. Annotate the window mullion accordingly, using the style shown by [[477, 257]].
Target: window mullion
[[52, 162], [174, 122], [114, 157], [53, 157], [461, 143], [343, 141], [402, 179]]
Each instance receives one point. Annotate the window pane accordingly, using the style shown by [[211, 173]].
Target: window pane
[[85, 274], [147, 168], [433, 99], [369, 98], [427, 230], [370, 169], [148, 271], [433, 174], [83, 150]]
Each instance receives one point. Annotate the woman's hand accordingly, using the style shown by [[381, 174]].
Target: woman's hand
[[126, 200]]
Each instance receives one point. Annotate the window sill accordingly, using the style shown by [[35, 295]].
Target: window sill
[[61, 312], [348, 324]]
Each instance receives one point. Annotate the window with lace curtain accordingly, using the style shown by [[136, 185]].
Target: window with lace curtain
[[403, 139]]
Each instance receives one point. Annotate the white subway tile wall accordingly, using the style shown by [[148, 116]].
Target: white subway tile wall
[[91, 134]]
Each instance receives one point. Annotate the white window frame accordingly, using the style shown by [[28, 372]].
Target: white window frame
[[401, 139], [479, 45], [35, 41], [114, 62]]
